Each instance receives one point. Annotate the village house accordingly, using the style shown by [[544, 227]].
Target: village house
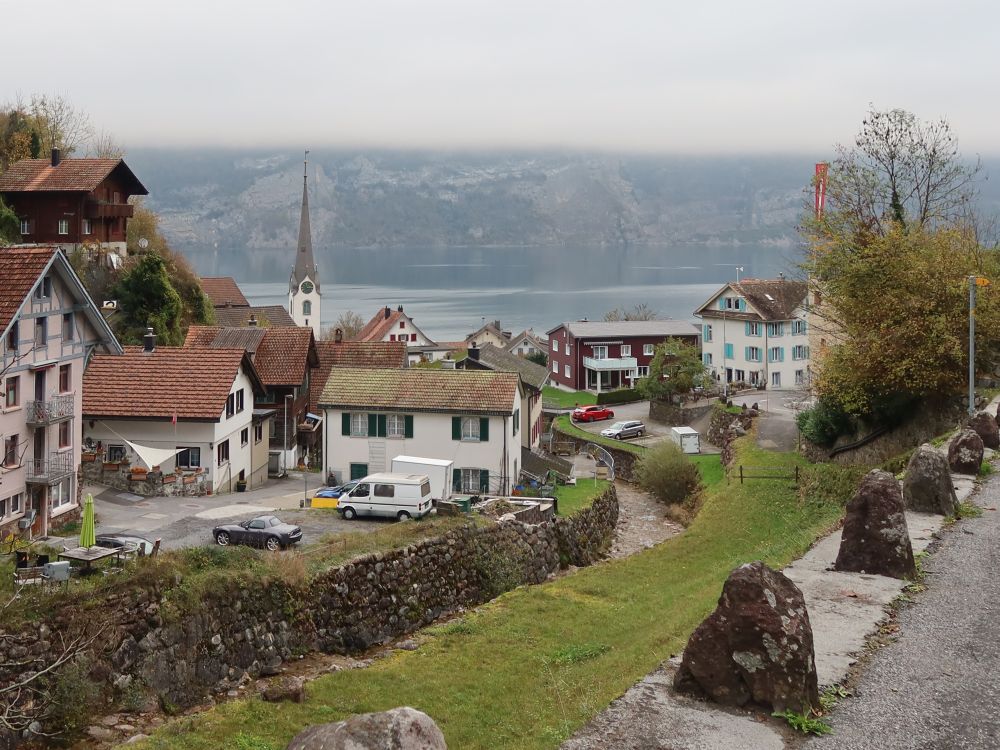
[[183, 411], [396, 325], [490, 333], [72, 203], [602, 356], [50, 329], [232, 308], [755, 332], [471, 418], [533, 378], [389, 355], [526, 343], [284, 359]]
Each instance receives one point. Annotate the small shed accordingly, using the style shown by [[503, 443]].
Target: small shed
[[687, 439]]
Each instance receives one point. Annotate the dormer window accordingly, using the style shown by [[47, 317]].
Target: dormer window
[[402, 324]]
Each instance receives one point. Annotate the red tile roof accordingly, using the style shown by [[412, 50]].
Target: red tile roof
[[222, 290], [74, 175], [374, 354], [376, 328], [191, 382], [417, 389], [280, 354], [266, 315], [20, 268]]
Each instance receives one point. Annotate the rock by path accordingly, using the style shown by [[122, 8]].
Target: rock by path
[[642, 521]]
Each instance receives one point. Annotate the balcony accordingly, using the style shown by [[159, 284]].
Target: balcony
[[58, 409], [105, 210], [50, 470], [610, 364]]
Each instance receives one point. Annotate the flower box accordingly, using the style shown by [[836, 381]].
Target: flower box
[[170, 479], [88, 458], [111, 466], [189, 479]]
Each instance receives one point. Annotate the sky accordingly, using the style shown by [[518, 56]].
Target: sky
[[715, 76]]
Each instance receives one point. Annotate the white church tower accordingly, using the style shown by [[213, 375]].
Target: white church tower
[[304, 298]]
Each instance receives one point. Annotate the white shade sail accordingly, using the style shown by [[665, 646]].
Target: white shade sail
[[152, 456]]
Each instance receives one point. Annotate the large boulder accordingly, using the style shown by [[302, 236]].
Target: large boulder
[[756, 646], [875, 538], [290, 688], [927, 485], [985, 425], [965, 453], [399, 729]]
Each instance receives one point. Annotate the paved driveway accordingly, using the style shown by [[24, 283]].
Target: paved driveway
[[776, 430], [655, 432]]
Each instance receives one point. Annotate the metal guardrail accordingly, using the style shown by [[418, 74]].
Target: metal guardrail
[[49, 470], [768, 472], [43, 412]]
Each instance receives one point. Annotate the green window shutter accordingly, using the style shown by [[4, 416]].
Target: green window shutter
[[345, 424], [408, 426], [484, 480], [382, 418], [456, 480], [722, 303], [372, 425], [456, 428], [517, 420], [746, 328], [746, 353], [484, 429]]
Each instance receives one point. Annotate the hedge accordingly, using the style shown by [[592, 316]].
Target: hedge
[[622, 396]]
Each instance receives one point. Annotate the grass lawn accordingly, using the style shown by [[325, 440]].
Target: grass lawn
[[573, 497], [528, 669], [567, 399], [710, 466]]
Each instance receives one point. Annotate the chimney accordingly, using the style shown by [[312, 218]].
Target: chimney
[[399, 309], [474, 352], [253, 321], [385, 313], [149, 341], [496, 324], [56, 157], [338, 336]]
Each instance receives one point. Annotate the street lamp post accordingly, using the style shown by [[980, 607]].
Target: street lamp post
[[305, 483], [288, 397]]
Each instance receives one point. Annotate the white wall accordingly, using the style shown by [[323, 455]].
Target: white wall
[[295, 309]]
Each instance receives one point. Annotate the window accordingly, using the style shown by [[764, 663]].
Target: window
[[87, 227], [12, 337], [222, 452], [413, 337], [63, 226], [395, 426], [776, 379], [776, 354], [800, 352], [189, 458], [15, 503], [643, 371], [116, 454], [470, 428], [800, 377], [798, 327], [67, 327], [567, 371], [706, 358], [62, 493], [392, 337], [245, 436], [517, 424], [384, 490], [257, 523], [775, 329], [258, 433], [739, 375], [729, 351], [706, 332], [555, 367], [753, 354], [13, 397], [472, 481], [647, 349], [362, 490], [626, 350], [41, 332], [116, 197], [555, 346], [44, 288], [752, 329], [25, 226], [359, 425], [65, 434], [600, 352], [307, 307], [239, 400], [10, 457]]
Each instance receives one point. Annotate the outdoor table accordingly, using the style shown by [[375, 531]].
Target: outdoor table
[[88, 555]]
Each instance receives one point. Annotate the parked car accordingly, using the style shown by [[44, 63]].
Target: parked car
[[403, 496], [591, 413], [624, 430], [263, 531], [117, 541]]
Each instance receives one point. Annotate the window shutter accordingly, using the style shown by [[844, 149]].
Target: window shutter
[[456, 428], [807, 352], [345, 424], [781, 354], [746, 328], [746, 353], [408, 426], [517, 420], [484, 480], [722, 303], [382, 418], [373, 425], [484, 429], [456, 480]]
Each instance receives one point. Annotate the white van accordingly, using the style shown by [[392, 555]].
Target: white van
[[391, 495]]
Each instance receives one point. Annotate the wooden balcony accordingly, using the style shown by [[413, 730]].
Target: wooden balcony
[[58, 409], [105, 210]]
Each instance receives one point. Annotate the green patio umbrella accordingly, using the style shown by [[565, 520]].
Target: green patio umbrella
[[87, 536]]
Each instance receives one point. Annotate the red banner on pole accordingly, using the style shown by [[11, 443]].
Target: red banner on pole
[[821, 171]]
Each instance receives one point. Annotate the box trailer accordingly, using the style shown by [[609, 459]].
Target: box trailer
[[438, 470], [687, 439]]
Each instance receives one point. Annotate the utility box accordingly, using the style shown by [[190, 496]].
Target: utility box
[[687, 439], [56, 571]]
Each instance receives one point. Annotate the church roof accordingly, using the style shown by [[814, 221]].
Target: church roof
[[305, 263]]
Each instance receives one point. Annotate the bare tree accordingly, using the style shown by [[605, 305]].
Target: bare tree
[[349, 322], [104, 146], [641, 311], [60, 124]]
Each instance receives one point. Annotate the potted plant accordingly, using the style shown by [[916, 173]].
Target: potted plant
[[241, 485]]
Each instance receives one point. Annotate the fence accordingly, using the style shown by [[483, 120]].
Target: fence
[[769, 472]]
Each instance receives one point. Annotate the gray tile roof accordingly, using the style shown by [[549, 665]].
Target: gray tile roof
[[494, 358], [624, 328]]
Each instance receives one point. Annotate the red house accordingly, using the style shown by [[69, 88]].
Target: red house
[[599, 356], [72, 202]]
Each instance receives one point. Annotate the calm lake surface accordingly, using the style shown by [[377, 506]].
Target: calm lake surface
[[451, 291]]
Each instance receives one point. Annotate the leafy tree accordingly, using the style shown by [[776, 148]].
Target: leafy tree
[[641, 311], [10, 226], [665, 473], [539, 358], [147, 298], [676, 368], [350, 324]]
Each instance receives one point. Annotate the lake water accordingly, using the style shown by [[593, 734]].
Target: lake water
[[450, 292]]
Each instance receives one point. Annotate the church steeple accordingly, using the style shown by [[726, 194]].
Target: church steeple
[[303, 287]]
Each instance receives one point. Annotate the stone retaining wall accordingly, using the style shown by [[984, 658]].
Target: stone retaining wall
[[150, 484], [674, 415], [240, 632]]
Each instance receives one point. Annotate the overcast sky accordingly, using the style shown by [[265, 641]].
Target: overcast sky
[[698, 76]]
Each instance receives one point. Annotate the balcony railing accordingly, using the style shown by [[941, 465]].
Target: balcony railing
[[53, 410], [49, 470], [103, 210], [610, 363]]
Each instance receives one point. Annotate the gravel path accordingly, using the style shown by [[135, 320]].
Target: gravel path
[[642, 521], [937, 686]]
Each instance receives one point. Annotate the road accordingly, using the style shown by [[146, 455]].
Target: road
[[776, 428]]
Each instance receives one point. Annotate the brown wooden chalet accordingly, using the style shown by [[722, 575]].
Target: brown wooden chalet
[[71, 202]]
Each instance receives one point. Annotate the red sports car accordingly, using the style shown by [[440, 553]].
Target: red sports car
[[591, 413]]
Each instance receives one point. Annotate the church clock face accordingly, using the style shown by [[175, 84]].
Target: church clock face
[[307, 287]]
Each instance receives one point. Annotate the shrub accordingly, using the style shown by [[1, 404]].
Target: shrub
[[621, 396], [667, 474], [824, 423]]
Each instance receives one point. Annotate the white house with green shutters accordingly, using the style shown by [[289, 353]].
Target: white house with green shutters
[[469, 417], [755, 332]]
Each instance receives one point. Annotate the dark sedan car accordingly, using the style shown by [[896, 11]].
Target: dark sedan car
[[267, 532]]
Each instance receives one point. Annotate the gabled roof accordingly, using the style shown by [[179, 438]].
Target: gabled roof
[[770, 299], [493, 357], [492, 327], [191, 382], [421, 390], [222, 291], [365, 354], [281, 355], [265, 315], [385, 320], [21, 268], [70, 175], [625, 328], [527, 334]]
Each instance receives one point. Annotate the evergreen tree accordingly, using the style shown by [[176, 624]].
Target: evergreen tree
[[147, 298], [10, 227]]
